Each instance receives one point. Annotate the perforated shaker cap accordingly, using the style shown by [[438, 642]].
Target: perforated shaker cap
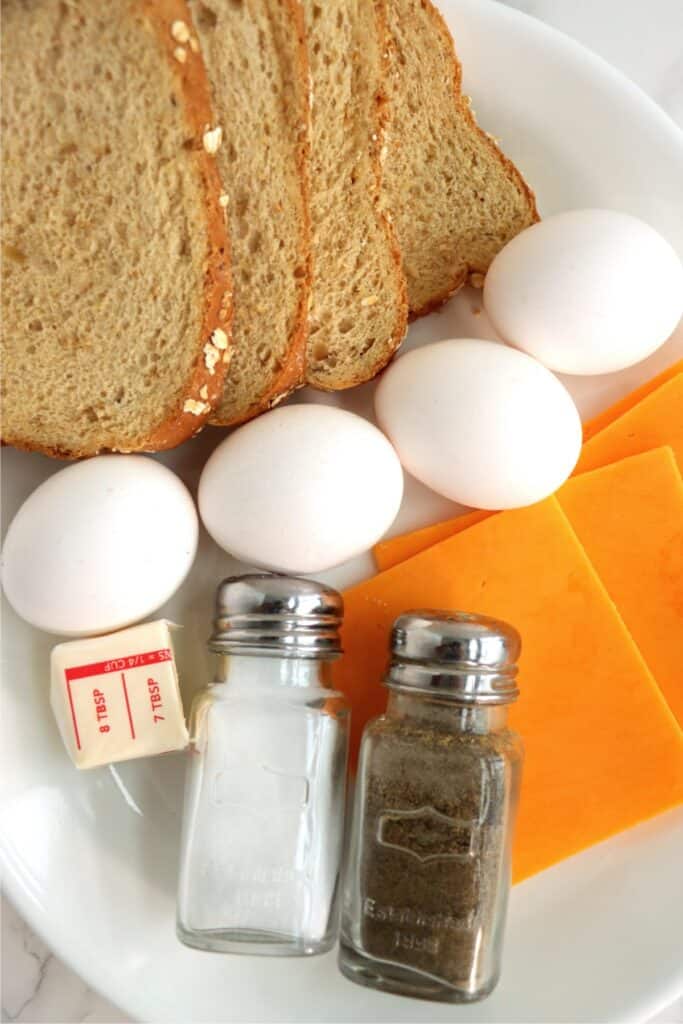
[[276, 615], [470, 659]]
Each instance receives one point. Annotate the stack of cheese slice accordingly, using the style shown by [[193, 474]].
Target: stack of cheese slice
[[593, 579]]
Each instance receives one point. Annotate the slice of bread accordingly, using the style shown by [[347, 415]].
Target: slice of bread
[[256, 60], [116, 297], [456, 199], [358, 306]]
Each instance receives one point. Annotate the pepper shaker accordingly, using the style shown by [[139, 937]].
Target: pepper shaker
[[428, 872], [265, 792]]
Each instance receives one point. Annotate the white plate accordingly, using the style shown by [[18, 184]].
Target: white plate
[[90, 859]]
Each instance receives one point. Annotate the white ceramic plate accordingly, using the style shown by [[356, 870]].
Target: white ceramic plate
[[90, 859]]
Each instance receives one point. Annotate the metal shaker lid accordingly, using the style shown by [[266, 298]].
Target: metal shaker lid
[[470, 659], [276, 615]]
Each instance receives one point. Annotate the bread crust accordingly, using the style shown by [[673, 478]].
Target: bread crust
[[181, 424], [205, 385], [376, 143], [465, 111], [293, 371]]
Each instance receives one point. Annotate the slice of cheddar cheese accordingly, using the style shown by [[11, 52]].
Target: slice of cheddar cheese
[[656, 419], [629, 519], [603, 750], [609, 415], [388, 553]]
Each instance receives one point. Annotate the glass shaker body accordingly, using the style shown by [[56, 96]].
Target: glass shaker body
[[264, 809], [429, 864], [427, 876]]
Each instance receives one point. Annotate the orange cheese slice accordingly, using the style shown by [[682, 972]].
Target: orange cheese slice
[[603, 750], [388, 553], [655, 419], [607, 416], [629, 519]]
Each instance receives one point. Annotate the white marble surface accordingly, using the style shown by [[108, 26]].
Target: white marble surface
[[644, 40]]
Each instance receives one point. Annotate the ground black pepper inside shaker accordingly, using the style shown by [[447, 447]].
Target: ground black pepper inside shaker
[[428, 873]]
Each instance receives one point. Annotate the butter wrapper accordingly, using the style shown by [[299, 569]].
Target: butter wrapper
[[117, 697]]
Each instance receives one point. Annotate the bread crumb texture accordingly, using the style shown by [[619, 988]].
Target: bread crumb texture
[[455, 198], [105, 237], [358, 306], [259, 81]]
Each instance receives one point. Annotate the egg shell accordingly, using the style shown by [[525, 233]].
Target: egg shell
[[301, 489], [480, 423], [586, 291], [100, 545]]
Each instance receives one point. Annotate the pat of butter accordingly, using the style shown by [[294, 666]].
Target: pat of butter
[[117, 697]]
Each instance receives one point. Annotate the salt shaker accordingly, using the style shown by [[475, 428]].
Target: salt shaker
[[428, 873], [265, 791]]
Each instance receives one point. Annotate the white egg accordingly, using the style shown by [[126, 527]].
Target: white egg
[[587, 291], [301, 489], [99, 545], [480, 423]]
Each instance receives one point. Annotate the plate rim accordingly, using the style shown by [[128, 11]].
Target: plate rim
[[102, 982]]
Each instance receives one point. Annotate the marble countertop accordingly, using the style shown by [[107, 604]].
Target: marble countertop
[[645, 41]]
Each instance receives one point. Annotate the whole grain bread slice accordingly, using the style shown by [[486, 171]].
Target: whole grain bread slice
[[257, 64], [455, 198], [358, 305], [116, 297]]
